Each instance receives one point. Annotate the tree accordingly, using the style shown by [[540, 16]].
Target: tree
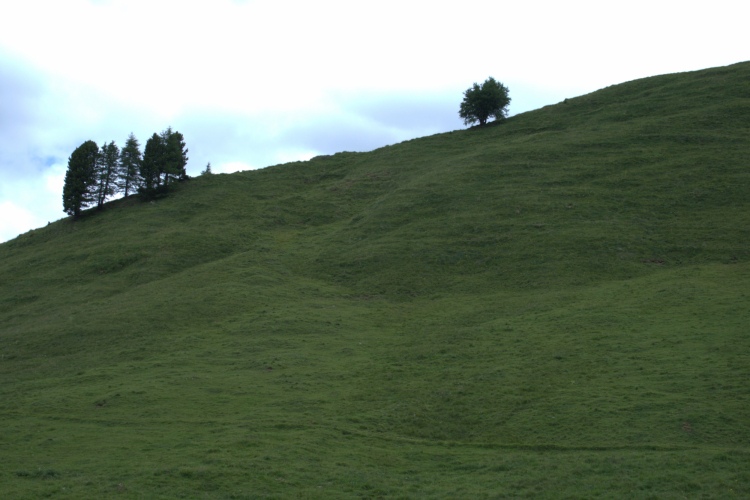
[[106, 171], [207, 171], [175, 155], [151, 166], [129, 173], [81, 178], [164, 159], [484, 101]]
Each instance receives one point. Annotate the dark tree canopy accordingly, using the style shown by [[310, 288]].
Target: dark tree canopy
[[175, 155], [81, 178], [106, 171], [481, 102], [97, 174], [129, 177], [164, 160], [153, 161]]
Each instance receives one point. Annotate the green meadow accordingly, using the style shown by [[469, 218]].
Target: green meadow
[[557, 306]]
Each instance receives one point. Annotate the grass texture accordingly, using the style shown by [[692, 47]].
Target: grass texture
[[551, 307]]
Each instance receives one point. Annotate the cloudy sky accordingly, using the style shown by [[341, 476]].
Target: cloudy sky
[[257, 83]]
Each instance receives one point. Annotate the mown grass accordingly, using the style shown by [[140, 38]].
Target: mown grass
[[551, 307]]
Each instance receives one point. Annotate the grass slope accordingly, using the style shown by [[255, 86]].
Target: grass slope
[[551, 307]]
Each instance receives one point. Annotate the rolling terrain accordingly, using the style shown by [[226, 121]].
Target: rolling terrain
[[555, 306]]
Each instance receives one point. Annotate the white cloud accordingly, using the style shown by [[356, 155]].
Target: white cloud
[[30, 202], [54, 180], [16, 220]]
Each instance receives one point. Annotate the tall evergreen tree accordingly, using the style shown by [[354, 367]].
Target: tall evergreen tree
[[175, 155], [129, 172], [106, 167], [164, 160], [152, 164], [81, 178]]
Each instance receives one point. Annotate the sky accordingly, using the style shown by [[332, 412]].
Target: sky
[[256, 83]]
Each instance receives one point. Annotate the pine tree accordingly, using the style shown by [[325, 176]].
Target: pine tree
[[106, 167], [164, 160], [175, 155], [152, 164], [129, 171], [80, 178]]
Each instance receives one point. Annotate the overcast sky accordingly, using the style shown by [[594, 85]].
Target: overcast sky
[[257, 83]]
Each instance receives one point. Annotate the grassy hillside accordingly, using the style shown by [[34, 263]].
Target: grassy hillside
[[556, 306]]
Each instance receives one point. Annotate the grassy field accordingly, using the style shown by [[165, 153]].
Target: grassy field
[[552, 307]]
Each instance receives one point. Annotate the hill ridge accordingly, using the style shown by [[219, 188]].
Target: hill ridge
[[443, 317]]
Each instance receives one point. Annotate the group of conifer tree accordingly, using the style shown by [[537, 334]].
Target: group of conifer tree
[[96, 174]]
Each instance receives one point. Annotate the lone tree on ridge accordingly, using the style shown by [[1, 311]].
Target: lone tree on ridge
[[481, 102]]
